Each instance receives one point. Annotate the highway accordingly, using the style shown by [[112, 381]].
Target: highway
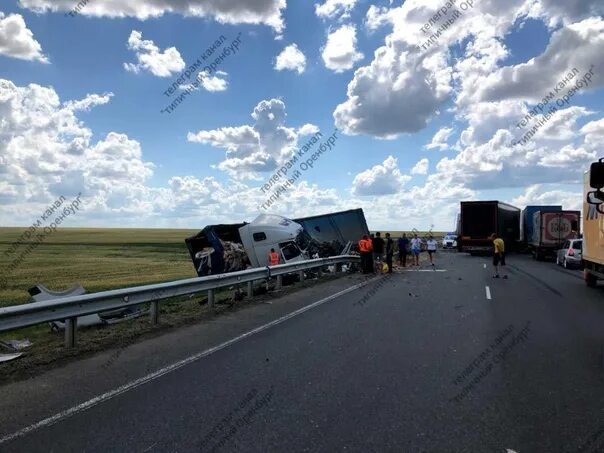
[[445, 360]]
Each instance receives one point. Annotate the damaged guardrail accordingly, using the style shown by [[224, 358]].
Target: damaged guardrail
[[71, 307]]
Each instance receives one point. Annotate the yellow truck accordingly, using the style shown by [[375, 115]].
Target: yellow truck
[[593, 224]]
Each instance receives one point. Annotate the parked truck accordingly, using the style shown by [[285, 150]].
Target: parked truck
[[478, 220], [549, 231], [593, 224], [231, 247], [526, 223]]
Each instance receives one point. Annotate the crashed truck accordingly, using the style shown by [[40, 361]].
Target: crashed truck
[[225, 248]]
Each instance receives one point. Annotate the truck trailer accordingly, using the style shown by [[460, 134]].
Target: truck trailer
[[526, 224], [550, 229], [478, 220]]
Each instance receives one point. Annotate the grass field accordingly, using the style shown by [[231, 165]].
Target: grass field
[[98, 259]]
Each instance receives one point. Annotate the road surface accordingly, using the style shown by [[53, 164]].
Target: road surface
[[449, 360]]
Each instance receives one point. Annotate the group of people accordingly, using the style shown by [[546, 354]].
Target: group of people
[[373, 248]]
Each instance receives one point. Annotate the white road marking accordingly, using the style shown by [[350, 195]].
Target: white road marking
[[485, 265], [488, 292], [425, 270], [150, 377]]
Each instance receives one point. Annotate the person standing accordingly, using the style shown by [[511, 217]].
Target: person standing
[[498, 254], [416, 248], [431, 246], [403, 244], [378, 251], [389, 252], [365, 249], [273, 258]]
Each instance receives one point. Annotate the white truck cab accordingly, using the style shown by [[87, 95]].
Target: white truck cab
[[268, 231]]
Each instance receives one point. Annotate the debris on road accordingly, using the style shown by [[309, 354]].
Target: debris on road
[[8, 357], [16, 345]]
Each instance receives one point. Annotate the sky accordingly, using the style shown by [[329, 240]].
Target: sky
[[184, 113]]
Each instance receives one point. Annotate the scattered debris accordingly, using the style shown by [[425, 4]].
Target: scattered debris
[[16, 345], [8, 357]]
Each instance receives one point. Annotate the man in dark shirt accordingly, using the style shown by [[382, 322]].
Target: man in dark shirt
[[403, 245], [378, 251], [389, 252]]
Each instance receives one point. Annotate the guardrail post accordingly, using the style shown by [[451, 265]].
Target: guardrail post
[[154, 312], [301, 273], [279, 282], [211, 297], [71, 327], [250, 289]]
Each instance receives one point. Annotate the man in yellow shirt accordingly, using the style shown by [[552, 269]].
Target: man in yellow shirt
[[498, 254]]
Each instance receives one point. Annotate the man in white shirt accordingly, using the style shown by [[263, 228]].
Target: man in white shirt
[[431, 249]]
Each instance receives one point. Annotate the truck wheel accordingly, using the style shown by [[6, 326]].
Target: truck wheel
[[590, 279]]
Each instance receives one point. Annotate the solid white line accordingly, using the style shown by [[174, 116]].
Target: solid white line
[[488, 292], [426, 270], [161, 372]]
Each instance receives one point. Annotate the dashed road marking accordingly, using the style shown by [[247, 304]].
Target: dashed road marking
[[488, 291], [484, 265]]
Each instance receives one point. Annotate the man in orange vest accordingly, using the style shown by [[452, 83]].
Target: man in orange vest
[[366, 251], [273, 258]]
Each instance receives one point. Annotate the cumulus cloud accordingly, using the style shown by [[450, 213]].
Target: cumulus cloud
[[291, 58], [340, 52], [574, 46], [266, 12], [377, 16], [334, 8], [257, 148], [538, 194], [421, 167], [440, 139], [382, 179], [17, 41], [150, 58]]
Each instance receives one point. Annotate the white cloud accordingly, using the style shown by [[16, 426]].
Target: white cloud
[[382, 179], [440, 139], [291, 58], [17, 41], [340, 53], [334, 8], [574, 46], [267, 12], [377, 16], [257, 148], [421, 167], [214, 83], [538, 194], [150, 58]]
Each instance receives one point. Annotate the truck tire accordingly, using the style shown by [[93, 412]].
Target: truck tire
[[590, 279]]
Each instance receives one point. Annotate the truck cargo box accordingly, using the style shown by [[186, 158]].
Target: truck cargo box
[[526, 226], [480, 219], [551, 229]]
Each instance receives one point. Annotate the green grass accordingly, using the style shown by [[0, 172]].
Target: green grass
[[97, 258]]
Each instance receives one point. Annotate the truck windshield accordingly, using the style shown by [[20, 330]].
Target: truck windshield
[[289, 250], [303, 240]]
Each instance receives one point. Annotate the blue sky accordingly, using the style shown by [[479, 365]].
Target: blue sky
[[81, 100]]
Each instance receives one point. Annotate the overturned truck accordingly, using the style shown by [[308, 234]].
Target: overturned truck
[[232, 247]]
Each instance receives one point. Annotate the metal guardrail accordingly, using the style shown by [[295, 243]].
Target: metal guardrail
[[71, 307]]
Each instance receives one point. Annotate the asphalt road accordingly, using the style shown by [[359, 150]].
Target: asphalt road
[[450, 360]]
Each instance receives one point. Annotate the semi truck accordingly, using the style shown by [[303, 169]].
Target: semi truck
[[549, 231], [593, 224], [225, 248], [478, 220], [526, 224]]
